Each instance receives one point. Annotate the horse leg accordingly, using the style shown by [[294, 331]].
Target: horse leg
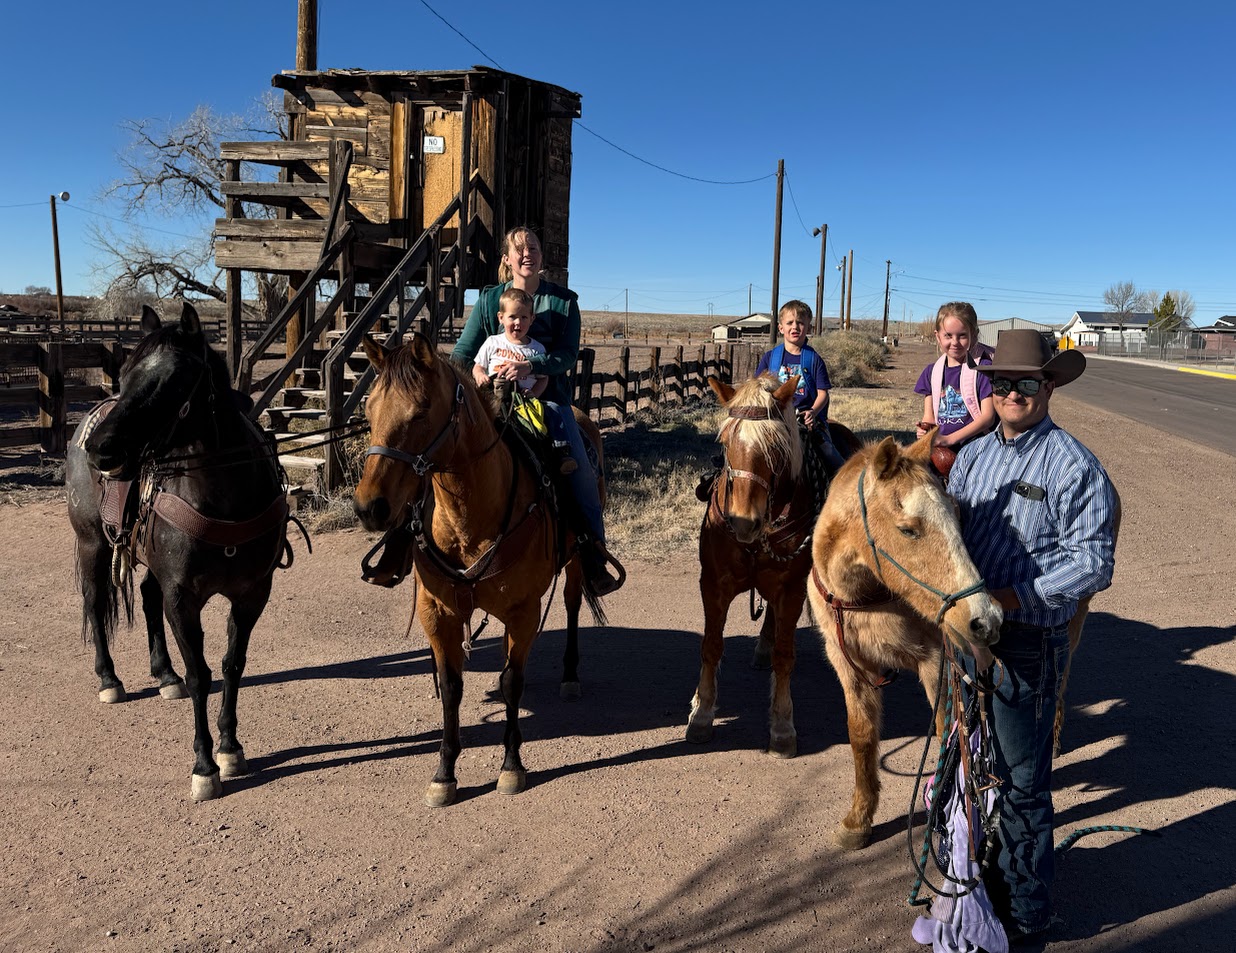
[[864, 713], [99, 610], [762, 660], [786, 608], [445, 634], [1075, 633], [171, 685], [521, 632], [240, 622], [704, 705], [572, 596], [185, 614]]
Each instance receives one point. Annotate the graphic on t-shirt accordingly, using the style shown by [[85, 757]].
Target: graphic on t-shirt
[[789, 370], [952, 409]]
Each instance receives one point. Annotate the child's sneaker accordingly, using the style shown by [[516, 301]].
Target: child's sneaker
[[566, 462]]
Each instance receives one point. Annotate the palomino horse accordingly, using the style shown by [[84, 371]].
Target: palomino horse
[[756, 534], [890, 572], [206, 514], [485, 536]]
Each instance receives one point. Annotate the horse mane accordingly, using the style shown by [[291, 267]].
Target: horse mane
[[403, 373], [773, 436]]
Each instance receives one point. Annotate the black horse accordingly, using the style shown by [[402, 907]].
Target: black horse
[[173, 475]]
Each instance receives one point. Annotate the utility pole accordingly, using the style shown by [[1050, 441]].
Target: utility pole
[[64, 197], [749, 311], [822, 231], [888, 271], [626, 313], [772, 323], [849, 295], [841, 297]]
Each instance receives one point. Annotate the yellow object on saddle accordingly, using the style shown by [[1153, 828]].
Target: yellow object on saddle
[[530, 411]]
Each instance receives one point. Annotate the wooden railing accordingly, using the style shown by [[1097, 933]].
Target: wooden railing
[[50, 393]]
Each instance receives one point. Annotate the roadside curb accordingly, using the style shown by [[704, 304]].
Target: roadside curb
[[1225, 375]]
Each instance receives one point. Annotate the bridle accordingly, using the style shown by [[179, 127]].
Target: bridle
[[840, 607], [421, 463]]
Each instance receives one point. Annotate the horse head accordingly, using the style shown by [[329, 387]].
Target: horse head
[[888, 525], [168, 387], [414, 411], [762, 447]]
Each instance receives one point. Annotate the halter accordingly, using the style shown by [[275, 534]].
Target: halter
[[947, 600], [421, 462], [731, 473]]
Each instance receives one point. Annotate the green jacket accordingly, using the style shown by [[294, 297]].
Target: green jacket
[[555, 325]]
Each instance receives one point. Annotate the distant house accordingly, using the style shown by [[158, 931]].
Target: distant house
[[752, 326], [1088, 328], [989, 331], [1220, 337]]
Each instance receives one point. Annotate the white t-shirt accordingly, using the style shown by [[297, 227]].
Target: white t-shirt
[[497, 350]]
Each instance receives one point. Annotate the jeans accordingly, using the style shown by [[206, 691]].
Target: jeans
[[584, 479], [1023, 710]]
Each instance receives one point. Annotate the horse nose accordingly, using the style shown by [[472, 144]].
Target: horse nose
[[375, 514], [745, 530], [984, 630]]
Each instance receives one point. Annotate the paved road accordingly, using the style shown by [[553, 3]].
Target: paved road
[[1194, 406]]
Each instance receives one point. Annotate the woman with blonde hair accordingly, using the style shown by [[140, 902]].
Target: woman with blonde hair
[[556, 325]]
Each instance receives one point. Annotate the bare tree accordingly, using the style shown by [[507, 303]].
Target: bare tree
[[1185, 305], [169, 169], [1123, 299]]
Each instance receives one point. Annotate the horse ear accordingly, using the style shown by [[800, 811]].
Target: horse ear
[[884, 461], [785, 393], [920, 450], [150, 319], [190, 323], [422, 349], [724, 392], [374, 351]]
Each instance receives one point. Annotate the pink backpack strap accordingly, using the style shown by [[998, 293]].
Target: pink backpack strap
[[937, 385], [969, 378]]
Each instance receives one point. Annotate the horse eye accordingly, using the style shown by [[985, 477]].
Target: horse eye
[[909, 532]]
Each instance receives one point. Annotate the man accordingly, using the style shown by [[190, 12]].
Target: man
[[1036, 509]]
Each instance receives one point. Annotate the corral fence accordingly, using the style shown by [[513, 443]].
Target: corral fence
[[614, 383], [40, 379], [16, 327]]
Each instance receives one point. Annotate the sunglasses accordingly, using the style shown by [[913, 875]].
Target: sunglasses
[[1027, 386]]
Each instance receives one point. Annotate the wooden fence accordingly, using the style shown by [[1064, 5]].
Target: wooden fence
[[658, 377], [17, 327], [40, 377]]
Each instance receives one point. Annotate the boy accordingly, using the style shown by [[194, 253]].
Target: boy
[[514, 344], [795, 356]]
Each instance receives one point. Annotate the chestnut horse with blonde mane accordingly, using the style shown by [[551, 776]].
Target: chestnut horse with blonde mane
[[485, 535], [756, 534], [891, 579]]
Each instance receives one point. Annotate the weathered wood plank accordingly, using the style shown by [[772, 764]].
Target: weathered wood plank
[[285, 228], [19, 437], [274, 151], [268, 255], [270, 192]]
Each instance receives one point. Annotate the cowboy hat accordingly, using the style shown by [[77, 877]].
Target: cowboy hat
[[1021, 351]]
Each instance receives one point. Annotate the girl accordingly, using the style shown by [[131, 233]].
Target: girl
[[956, 398]]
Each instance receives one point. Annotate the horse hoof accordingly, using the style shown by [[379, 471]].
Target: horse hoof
[[205, 787], [698, 734], [569, 691], [848, 839], [174, 690], [440, 793], [786, 747], [232, 764], [113, 695], [512, 782]]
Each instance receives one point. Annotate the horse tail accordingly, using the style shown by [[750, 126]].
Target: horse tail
[[110, 596], [595, 606]]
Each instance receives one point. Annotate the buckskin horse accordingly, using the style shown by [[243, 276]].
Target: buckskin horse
[[756, 534], [484, 535], [171, 474], [890, 580]]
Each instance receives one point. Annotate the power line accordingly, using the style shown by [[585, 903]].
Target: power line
[[794, 202], [23, 205], [460, 34], [661, 168], [146, 228]]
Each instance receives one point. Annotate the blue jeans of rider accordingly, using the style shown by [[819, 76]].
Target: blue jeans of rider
[[584, 480], [1023, 710]]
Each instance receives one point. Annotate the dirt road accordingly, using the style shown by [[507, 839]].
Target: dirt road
[[627, 839]]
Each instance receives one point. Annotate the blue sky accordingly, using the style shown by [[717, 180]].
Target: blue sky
[[1022, 157]]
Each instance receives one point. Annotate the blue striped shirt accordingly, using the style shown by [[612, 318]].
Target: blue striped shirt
[[1051, 543]]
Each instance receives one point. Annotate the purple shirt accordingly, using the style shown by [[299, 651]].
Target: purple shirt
[[951, 414]]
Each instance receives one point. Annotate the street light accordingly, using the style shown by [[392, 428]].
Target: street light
[[64, 197], [841, 301]]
